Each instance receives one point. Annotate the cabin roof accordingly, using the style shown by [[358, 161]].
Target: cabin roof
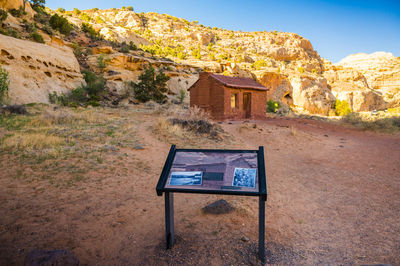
[[239, 83]]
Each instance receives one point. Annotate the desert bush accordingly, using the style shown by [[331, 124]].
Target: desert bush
[[99, 20], [76, 11], [61, 10], [3, 15], [196, 53], [272, 106], [17, 12], [101, 62], [132, 46], [4, 84], [130, 8], [61, 24], [182, 95], [300, 69], [259, 64], [37, 37], [151, 86], [90, 94], [87, 28], [85, 17], [342, 108]]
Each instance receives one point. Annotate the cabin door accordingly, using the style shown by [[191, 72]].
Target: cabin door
[[247, 104]]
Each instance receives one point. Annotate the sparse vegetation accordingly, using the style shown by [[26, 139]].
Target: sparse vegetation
[[342, 108], [151, 86], [272, 106], [61, 10], [61, 24], [37, 37], [259, 64], [181, 95], [87, 28], [374, 123], [17, 12], [3, 15], [300, 69], [90, 94], [4, 84], [76, 11]]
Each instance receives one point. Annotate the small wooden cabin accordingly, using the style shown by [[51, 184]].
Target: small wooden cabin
[[226, 97]]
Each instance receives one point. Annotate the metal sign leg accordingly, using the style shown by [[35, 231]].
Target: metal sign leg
[[261, 229], [169, 219]]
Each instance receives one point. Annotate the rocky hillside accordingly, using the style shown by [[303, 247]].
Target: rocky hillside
[[381, 70], [118, 43]]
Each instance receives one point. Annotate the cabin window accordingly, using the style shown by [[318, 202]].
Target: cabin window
[[234, 100]]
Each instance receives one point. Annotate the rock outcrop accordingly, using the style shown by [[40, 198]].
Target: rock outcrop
[[122, 68], [35, 69], [16, 4], [312, 94], [350, 85], [279, 87], [382, 72]]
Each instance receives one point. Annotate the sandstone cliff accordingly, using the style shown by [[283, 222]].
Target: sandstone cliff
[[382, 72], [35, 69]]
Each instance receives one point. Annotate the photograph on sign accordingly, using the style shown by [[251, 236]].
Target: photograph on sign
[[244, 177], [186, 178]]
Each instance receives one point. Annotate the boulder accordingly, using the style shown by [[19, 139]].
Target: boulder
[[312, 94], [36, 69], [16, 4], [218, 207], [203, 37], [51, 258]]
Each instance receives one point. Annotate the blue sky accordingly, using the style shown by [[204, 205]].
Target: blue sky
[[335, 28]]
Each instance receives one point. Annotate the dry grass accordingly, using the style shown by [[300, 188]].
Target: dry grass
[[65, 116], [380, 122], [293, 131], [31, 141]]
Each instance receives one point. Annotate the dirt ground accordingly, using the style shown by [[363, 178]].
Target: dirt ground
[[333, 198]]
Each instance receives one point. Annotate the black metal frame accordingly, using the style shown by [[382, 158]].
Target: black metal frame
[[169, 198]]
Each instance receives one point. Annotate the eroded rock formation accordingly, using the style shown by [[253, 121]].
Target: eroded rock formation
[[35, 69]]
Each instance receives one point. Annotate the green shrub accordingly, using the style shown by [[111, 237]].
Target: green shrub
[[300, 69], [182, 95], [85, 17], [101, 62], [272, 106], [76, 11], [37, 37], [130, 8], [3, 15], [259, 64], [99, 20], [151, 86], [90, 94], [61, 24], [17, 12], [132, 46], [14, 33], [342, 108], [61, 10], [196, 53], [124, 49], [4, 83], [87, 28]]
